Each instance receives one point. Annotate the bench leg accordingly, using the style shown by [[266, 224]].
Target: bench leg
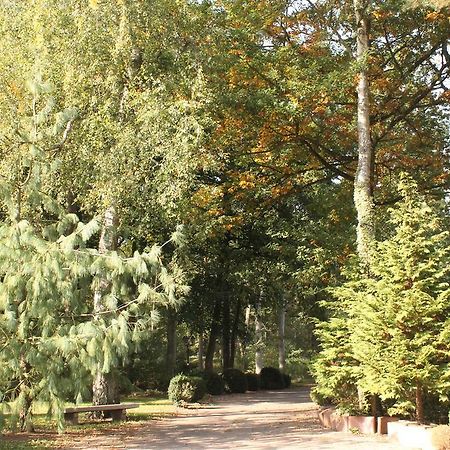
[[118, 415], [71, 418]]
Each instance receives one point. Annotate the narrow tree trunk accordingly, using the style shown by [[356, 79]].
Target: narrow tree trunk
[[171, 351], [243, 343], [281, 339], [259, 364], [248, 311], [234, 332], [25, 416], [25, 413], [201, 344], [103, 391], [213, 334], [363, 188], [420, 414], [226, 329]]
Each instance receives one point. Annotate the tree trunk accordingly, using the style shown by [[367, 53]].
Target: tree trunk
[[201, 344], [248, 311], [281, 339], [259, 364], [171, 350], [226, 328], [25, 413], [234, 333], [243, 343], [420, 414], [363, 188], [104, 388], [213, 334]]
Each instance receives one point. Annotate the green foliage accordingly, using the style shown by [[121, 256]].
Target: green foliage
[[287, 380], [235, 381], [297, 365], [391, 336], [184, 388], [271, 378], [51, 341], [335, 369], [253, 381]]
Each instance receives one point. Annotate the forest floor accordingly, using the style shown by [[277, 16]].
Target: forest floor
[[256, 420]]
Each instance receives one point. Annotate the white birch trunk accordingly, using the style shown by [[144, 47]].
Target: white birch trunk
[[363, 188], [259, 356], [282, 339]]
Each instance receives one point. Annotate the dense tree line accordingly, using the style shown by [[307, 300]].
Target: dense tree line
[[260, 143]]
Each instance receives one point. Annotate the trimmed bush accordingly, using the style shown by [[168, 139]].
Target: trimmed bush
[[215, 384], [183, 388], [318, 397], [253, 381], [235, 381], [271, 378], [287, 380]]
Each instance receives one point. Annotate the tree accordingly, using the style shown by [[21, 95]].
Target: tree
[[395, 320], [51, 341], [363, 192]]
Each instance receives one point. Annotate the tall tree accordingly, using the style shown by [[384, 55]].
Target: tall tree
[[363, 192]]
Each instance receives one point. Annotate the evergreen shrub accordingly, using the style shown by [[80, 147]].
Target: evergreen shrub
[[235, 381], [253, 381], [215, 384], [271, 378], [318, 397], [183, 388]]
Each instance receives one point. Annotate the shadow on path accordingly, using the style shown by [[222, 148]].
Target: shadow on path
[[256, 420]]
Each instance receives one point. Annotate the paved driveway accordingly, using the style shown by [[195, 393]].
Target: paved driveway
[[260, 420]]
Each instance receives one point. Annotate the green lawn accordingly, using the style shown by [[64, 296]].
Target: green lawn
[[149, 408]]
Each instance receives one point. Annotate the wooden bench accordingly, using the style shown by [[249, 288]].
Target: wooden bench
[[117, 411]]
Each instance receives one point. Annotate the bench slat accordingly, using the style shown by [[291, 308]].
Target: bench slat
[[114, 407]]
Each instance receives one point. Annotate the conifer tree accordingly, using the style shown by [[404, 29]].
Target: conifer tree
[[51, 343], [397, 319]]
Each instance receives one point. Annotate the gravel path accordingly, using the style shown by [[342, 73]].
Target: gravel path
[[260, 420]]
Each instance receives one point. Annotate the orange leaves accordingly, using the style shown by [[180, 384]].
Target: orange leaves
[[445, 96], [281, 190]]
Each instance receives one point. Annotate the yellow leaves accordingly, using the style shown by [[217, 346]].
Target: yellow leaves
[[333, 216], [380, 14], [215, 212], [279, 191], [93, 4], [247, 181], [206, 195], [15, 90], [293, 99]]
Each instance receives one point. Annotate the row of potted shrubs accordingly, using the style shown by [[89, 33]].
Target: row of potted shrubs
[[192, 387]]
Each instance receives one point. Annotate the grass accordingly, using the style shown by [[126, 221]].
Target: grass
[[46, 436]]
